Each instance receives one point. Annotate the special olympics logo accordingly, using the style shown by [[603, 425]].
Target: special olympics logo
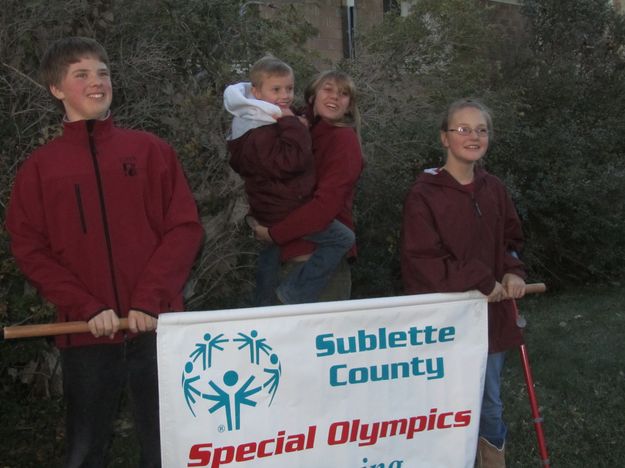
[[209, 381]]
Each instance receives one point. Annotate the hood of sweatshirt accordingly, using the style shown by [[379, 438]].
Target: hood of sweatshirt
[[248, 112], [439, 176]]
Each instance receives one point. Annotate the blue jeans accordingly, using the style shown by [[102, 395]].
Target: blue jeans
[[492, 427], [267, 276], [339, 288], [93, 380], [306, 282]]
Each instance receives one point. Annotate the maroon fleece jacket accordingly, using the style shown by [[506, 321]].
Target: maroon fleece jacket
[[103, 218], [455, 240], [276, 163]]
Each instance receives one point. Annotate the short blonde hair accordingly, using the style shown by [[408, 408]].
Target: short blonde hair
[[268, 66]]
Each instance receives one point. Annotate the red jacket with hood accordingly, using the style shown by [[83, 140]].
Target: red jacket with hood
[[103, 218], [455, 240]]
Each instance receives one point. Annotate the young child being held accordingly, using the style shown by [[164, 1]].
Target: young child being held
[[103, 223], [461, 232], [271, 149]]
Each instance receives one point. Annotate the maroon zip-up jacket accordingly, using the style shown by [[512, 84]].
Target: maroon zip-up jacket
[[276, 163], [102, 217], [455, 240]]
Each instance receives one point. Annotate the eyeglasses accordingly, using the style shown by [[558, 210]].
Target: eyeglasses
[[466, 131]]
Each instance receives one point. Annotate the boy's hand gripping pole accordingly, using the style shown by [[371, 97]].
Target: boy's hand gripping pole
[[48, 329]]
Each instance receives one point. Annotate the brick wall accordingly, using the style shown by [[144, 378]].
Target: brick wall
[[328, 16]]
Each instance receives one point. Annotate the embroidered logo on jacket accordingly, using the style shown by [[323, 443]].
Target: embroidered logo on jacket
[[130, 167]]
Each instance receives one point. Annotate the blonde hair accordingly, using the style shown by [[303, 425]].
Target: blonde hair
[[463, 104], [268, 66], [345, 84]]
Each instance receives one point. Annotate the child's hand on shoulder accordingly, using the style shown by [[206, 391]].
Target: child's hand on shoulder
[[287, 112], [304, 121]]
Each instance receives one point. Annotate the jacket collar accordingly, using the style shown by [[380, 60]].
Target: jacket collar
[[77, 131], [439, 176]]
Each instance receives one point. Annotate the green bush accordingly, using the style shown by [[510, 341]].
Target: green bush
[[556, 90], [557, 98], [170, 62], [570, 139]]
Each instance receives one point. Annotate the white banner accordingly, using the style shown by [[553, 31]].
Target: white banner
[[385, 383]]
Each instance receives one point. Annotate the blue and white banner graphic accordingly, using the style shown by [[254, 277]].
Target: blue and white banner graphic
[[385, 383]]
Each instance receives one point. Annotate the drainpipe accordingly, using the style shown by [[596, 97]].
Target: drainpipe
[[350, 22]]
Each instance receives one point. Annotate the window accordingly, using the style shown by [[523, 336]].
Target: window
[[401, 7]]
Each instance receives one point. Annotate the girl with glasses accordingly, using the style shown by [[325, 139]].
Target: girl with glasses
[[461, 232]]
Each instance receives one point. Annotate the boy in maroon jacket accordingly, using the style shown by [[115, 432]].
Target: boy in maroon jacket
[[271, 149], [103, 223]]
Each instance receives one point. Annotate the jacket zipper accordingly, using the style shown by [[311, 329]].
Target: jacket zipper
[[107, 234], [476, 205], [81, 211]]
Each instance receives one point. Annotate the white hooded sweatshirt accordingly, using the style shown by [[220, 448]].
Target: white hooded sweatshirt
[[248, 111]]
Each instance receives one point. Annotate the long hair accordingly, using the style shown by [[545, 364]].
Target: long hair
[[345, 84]]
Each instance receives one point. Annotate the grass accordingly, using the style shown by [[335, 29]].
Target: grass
[[576, 345]]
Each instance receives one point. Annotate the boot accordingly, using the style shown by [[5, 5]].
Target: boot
[[489, 456]]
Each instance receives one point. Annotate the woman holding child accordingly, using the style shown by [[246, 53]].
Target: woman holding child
[[334, 119]]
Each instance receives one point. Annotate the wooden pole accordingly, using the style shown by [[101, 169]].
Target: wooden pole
[[535, 288], [48, 329]]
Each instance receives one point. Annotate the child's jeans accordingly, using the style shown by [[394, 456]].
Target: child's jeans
[[306, 281], [267, 276], [492, 427], [93, 380], [339, 287]]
